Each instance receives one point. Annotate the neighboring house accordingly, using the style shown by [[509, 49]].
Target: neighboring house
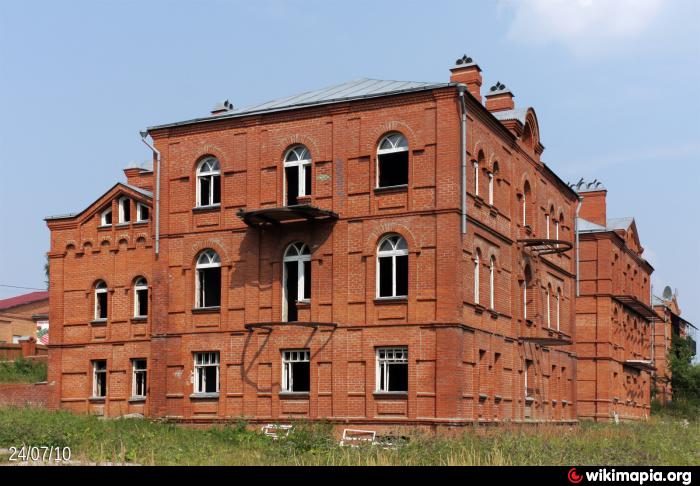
[[613, 314], [668, 324], [19, 316], [376, 252]]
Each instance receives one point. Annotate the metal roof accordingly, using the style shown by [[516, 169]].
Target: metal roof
[[352, 90], [139, 190], [23, 299], [519, 114], [619, 223], [585, 226]]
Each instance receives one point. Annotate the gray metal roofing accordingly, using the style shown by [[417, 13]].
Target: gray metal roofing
[[585, 226], [619, 223], [143, 192], [146, 165], [519, 114], [352, 90]]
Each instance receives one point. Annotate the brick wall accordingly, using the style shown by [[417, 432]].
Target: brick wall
[[25, 394]]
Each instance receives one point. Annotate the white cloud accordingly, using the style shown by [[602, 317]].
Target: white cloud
[[584, 26]]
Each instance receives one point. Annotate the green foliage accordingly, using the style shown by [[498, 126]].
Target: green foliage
[[685, 376], [22, 371], [661, 441]]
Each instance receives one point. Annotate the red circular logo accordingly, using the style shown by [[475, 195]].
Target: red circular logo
[[574, 477]]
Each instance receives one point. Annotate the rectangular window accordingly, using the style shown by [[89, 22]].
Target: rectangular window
[[307, 281], [101, 305], [138, 379], [529, 389], [306, 169], [209, 280], [124, 210], [99, 378], [402, 275], [142, 302], [292, 176], [392, 369], [206, 372], [141, 212], [216, 189], [393, 169], [296, 373], [204, 191]]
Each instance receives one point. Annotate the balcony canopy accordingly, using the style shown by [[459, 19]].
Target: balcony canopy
[[277, 216]]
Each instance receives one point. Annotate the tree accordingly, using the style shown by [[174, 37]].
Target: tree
[[685, 376], [46, 271]]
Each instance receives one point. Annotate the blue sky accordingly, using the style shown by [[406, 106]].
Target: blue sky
[[614, 84]]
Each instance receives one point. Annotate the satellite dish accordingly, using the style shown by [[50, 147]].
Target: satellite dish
[[668, 293]]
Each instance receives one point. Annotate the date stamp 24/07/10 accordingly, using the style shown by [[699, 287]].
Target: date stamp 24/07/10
[[28, 453]]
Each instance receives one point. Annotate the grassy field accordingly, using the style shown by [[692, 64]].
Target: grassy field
[[662, 441], [22, 371]]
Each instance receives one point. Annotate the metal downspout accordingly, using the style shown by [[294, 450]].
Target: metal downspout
[[463, 154], [144, 134], [578, 208]]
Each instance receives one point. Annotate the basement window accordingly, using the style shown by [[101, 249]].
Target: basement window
[[208, 280], [99, 378], [124, 210], [140, 297], [392, 369], [296, 375], [392, 267], [138, 385], [206, 372], [392, 161], [208, 183], [106, 217], [101, 301], [141, 212], [297, 173]]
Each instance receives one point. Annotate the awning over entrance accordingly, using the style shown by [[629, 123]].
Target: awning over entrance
[[276, 216]]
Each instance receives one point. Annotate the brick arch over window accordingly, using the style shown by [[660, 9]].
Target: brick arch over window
[[209, 150], [211, 243], [479, 146], [376, 134], [278, 248], [378, 232], [281, 148]]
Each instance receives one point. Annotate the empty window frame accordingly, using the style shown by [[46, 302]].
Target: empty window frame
[[558, 309], [392, 267], [492, 180], [124, 210], [142, 213], [392, 161], [140, 297], [296, 374], [101, 301], [525, 199], [99, 378], [208, 182], [546, 225], [138, 378], [529, 381], [477, 277], [527, 294], [548, 298], [206, 372], [296, 279], [492, 283], [208, 280], [392, 369], [106, 217], [297, 174]]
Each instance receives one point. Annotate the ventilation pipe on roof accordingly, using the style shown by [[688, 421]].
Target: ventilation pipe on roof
[[461, 88], [144, 134]]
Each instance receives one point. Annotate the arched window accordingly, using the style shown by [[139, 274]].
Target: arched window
[[525, 200], [478, 164], [392, 267], [208, 182], [492, 283], [100, 301], [557, 225], [208, 280], [141, 212], [492, 176], [106, 217], [392, 161], [297, 173], [527, 294], [477, 277], [548, 296], [558, 310], [296, 279], [140, 297]]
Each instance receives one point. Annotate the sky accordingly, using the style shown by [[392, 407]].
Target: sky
[[614, 84]]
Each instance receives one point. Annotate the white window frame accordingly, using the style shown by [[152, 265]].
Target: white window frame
[[476, 177], [546, 223], [492, 283], [140, 284], [290, 356], [393, 253], [528, 398], [213, 169], [549, 307], [101, 288], [558, 309], [212, 261], [302, 163], [135, 371], [391, 354], [103, 217], [556, 229], [121, 203], [202, 360], [524, 209], [298, 248], [139, 207], [525, 298], [394, 139], [477, 279], [95, 373], [491, 176]]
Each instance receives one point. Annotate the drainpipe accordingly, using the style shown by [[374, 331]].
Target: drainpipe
[[144, 134], [461, 88], [578, 208]]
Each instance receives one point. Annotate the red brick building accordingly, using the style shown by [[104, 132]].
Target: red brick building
[[377, 252], [613, 314], [668, 324]]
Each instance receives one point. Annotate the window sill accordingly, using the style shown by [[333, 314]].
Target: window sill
[[139, 319], [390, 189], [206, 209], [137, 399], [122, 225], [494, 313], [99, 322], [390, 300], [390, 394], [141, 223], [479, 309], [292, 395], [204, 396], [493, 211], [303, 304], [497, 398], [206, 310], [96, 399], [529, 399], [104, 227], [483, 397]]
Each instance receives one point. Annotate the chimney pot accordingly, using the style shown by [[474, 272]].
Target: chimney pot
[[499, 98], [467, 72]]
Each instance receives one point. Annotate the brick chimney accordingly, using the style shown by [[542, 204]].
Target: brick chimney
[[466, 71], [499, 98], [593, 207]]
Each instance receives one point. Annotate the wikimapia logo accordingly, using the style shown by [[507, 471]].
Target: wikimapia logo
[[636, 477]]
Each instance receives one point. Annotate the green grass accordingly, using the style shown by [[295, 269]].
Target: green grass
[[22, 371], [661, 441]]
